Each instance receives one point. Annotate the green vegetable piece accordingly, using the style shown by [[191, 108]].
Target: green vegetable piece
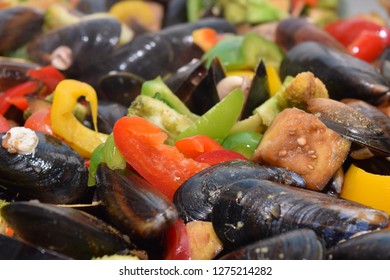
[[217, 122], [161, 115], [241, 52], [159, 90], [197, 8], [243, 142], [95, 160], [108, 153]]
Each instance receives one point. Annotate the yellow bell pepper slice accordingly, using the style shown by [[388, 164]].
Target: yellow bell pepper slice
[[367, 188], [274, 82], [65, 124]]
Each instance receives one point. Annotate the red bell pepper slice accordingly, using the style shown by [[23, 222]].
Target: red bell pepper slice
[[176, 243], [368, 45], [194, 146], [219, 156], [347, 30], [48, 75], [4, 125], [22, 89], [142, 145]]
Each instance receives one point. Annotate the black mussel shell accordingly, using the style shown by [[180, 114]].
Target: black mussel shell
[[252, 209], [120, 87], [195, 198], [55, 173], [351, 124], [186, 79], [205, 95], [87, 42], [133, 205], [13, 71], [18, 25], [343, 75], [374, 245], [301, 244], [17, 249], [258, 91], [68, 231]]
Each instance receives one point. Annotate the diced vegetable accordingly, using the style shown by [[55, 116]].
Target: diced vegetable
[[300, 142]]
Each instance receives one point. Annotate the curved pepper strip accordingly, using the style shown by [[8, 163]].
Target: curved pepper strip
[[66, 125], [142, 145]]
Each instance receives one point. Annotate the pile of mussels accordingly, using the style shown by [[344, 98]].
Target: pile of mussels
[[255, 211]]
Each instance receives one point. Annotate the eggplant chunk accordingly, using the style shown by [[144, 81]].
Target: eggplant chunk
[[300, 142]]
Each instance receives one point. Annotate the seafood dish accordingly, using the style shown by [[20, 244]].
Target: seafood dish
[[194, 130]]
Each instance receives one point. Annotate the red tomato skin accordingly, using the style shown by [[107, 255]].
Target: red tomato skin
[[142, 145], [40, 121], [219, 156], [176, 242]]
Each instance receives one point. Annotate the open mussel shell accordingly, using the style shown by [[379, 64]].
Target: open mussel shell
[[343, 75], [351, 124], [374, 245], [300, 244], [17, 249], [55, 173], [120, 87], [18, 25], [133, 205], [68, 231], [205, 95], [252, 209], [258, 92], [186, 79], [195, 198]]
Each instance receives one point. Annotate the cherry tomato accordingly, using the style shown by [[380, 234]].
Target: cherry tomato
[[368, 45]]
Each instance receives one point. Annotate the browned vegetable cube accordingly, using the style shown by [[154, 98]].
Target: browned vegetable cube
[[300, 142]]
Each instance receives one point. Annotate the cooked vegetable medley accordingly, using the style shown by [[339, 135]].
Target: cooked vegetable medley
[[193, 130]]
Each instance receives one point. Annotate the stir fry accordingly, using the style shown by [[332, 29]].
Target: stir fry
[[193, 130]]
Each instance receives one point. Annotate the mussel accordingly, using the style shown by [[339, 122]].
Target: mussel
[[133, 205], [13, 71], [300, 244], [67, 231], [253, 209], [343, 75], [195, 198], [294, 30], [18, 25], [154, 54], [74, 47], [17, 249], [373, 245], [54, 173], [351, 124]]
